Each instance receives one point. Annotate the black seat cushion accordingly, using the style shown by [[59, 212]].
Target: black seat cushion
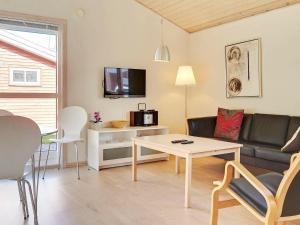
[[249, 194], [273, 154], [248, 150], [269, 129]]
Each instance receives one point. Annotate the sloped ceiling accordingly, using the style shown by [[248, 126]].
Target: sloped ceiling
[[196, 15]]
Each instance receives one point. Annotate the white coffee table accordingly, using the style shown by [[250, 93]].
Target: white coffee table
[[202, 147]]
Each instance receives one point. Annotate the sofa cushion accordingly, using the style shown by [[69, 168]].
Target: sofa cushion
[[293, 145], [248, 150], [229, 124], [246, 127], [249, 194], [202, 127], [272, 153], [293, 126], [270, 165], [269, 129]]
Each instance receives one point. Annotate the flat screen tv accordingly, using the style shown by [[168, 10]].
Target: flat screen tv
[[124, 83]]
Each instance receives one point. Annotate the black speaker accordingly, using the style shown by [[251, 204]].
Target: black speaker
[[144, 118], [136, 118]]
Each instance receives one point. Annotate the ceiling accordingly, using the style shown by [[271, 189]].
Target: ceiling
[[196, 15]]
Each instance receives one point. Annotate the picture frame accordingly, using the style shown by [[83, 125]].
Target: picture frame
[[243, 69]]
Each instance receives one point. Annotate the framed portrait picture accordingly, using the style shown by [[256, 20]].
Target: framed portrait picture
[[243, 69]]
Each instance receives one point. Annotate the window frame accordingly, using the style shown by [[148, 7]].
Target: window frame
[[61, 67], [24, 83]]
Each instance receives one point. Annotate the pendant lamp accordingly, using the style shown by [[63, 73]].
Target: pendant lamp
[[162, 53]]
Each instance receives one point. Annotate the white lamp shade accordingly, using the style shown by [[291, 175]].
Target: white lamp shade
[[162, 54], [185, 76]]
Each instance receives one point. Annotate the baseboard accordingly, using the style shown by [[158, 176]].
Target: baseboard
[[50, 167], [130, 163], [74, 164], [84, 163]]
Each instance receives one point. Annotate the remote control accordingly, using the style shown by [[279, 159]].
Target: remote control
[[187, 142], [178, 141]]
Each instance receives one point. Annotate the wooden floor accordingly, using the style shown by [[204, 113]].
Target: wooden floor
[[109, 197]]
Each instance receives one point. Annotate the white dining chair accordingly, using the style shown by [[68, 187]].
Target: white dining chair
[[73, 120], [19, 139], [24, 204]]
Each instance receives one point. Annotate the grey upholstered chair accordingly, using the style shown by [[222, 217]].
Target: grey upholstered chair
[[273, 197]]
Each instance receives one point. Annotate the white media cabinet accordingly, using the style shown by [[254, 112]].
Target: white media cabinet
[[110, 147]]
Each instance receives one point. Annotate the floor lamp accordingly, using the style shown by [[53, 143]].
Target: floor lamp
[[185, 77]]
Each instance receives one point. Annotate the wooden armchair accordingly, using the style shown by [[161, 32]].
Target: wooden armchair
[[273, 198]]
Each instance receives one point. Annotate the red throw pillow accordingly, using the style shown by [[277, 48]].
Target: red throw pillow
[[229, 124]]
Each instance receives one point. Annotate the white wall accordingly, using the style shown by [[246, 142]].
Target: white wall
[[118, 33], [279, 31], [125, 34]]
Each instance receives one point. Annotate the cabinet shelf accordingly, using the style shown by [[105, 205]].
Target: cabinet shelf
[[110, 147]]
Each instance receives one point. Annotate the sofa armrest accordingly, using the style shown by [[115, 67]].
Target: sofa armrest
[[202, 127]]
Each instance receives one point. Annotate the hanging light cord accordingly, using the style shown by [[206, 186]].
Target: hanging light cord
[[162, 31]]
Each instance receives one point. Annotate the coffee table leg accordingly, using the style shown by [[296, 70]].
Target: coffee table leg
[[188, 181], [237, 158], [134, 160], [177, 164]]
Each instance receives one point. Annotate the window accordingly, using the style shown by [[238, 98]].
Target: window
[[24, 77], [24, 93]]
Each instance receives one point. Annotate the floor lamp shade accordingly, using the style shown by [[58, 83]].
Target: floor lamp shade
[[185, 76]]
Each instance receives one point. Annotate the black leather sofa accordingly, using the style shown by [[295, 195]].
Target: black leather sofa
[[262, 136]]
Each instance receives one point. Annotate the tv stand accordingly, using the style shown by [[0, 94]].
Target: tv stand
[[111, 147]]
